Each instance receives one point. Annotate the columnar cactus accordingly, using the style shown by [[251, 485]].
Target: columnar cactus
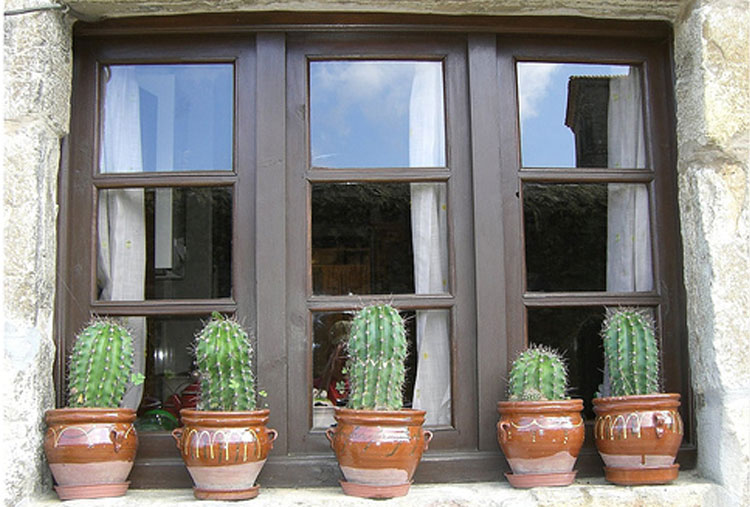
[[538, 373], [377, 350], [630, 352], [101, 365], [223, 354]]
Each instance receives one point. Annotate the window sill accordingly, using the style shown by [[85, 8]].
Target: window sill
[[689, 489]]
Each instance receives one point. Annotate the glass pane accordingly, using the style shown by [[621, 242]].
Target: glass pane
[[164, 243], [428, 368], [575, 333], [587, 237], [171, 379], [379, 238], [377, 114], [580, 115], [167, 118]]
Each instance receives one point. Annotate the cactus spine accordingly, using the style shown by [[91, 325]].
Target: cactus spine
[[630, 352], [223, 354], [101, 365], [539, 373], [377, 350]]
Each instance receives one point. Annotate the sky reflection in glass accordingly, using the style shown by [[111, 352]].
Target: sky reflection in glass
[[359, 112], [542, 98]]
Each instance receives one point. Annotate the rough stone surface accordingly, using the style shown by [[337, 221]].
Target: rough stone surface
[[624, 9], [712, 62], [37, 75], [688, 491], [27, 357]]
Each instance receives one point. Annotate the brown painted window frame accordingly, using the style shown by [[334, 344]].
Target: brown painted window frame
[[271, 285]]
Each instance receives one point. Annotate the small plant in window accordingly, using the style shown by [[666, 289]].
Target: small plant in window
[[538, 374], [542, 453], [377, 442], [223, 354], [638, 430], [377, 350], [225, 441], [630, 353], [101, 366], [100, 373]]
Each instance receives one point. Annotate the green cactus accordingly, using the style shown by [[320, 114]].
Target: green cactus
[[223, 354], [537, 374], [101, 365], [630, 353], [377, 350]]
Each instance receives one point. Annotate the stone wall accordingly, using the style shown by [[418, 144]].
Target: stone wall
[[712, 63], [37, 75]]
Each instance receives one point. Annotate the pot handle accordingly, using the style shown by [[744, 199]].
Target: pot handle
[[177, 435], [503, 430], [116, 437], [273, 435], [329, 435], [660, 424], [427, 438]]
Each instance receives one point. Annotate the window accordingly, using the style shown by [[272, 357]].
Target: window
[[499, 190]]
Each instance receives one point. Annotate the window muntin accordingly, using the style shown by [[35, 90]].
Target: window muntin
[[376, 113], [580, 115], [164, 243], [167, 117]]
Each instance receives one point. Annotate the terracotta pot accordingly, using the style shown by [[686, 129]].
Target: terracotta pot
[[224, 451], [90, 451], [378, 450], [638, 437], [540, 440]]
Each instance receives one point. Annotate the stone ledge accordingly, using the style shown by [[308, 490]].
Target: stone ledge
[[688, 490]]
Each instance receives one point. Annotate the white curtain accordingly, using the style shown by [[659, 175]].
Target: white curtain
[[121, 266], [628, 223], [432, 387]]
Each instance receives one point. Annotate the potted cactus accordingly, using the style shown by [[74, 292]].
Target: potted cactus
[[638, 430], [540, 429], [224, 441], [91, 444], [377, 442]]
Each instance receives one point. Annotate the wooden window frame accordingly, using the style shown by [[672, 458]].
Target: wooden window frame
[[271, 287]]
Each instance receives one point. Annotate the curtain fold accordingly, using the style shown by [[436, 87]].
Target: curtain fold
[[121, 263], [432, 387], [628, 222]]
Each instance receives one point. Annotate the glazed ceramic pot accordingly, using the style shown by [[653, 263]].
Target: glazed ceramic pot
[[638, 437], [540, 440], [378, 450], [224, 451], [90, 451]]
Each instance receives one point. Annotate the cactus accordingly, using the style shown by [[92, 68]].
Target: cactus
[[630, 352], [377, 350], [537, 374], [101, 365], [223, 354]]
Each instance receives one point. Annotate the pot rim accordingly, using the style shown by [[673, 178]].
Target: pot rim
[[536, 407], [220, 418], [81, 415], [655, 401], [410, 416]]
